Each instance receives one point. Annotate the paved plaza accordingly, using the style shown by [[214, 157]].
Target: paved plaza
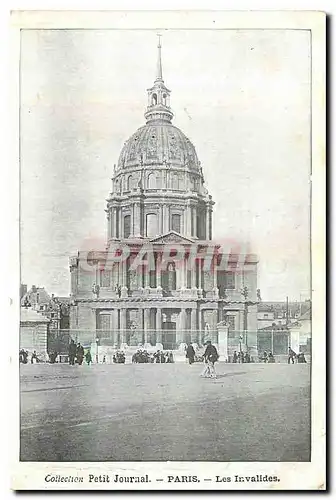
[[159, 412]]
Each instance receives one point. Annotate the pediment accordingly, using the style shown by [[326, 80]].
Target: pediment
[[172, 237]]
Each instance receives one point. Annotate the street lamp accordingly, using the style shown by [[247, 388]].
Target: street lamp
[[245, 293], [240, 348], [97, 343]]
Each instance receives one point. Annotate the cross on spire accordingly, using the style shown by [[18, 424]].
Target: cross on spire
[[159, 63]]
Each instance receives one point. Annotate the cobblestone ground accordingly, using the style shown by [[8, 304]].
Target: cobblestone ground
[[164, 412]]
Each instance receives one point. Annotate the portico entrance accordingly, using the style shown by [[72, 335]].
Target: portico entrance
[[169, 335]]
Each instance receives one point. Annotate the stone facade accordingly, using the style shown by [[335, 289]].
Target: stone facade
[[33, 331], [159, 201]]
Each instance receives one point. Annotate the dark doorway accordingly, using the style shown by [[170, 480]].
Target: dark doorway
[[169, 335]]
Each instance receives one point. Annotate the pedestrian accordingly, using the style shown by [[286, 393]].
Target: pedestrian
[[210, 358], [301, 358], [235, 357], [72, 352], [88, 357], [265, 357], [79, 353], [291, 355], [190, 354], [34, 358], [271, 358]]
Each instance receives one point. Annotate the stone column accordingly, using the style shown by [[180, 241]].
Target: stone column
[[183, 273], [182, 324], [252, 330], [159, 326], [188, 214], [158, 269], [195, 221], [115, 326], [146, 277], [179, 275], [109, 225], [194, 333], [124, 278], [161, 223], [223, 342], [165, 219], [115, 222], [200, 325], [214, 268], [207, 229], [146, 324], [214, 326], [115, 319], [123, 325], [193, 275], [136, 220], [210, 223]]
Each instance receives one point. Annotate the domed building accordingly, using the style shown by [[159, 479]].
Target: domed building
[[162, 280], [158, 184]]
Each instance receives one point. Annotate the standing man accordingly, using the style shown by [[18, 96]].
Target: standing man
[[291, 355], [210, 358], [190, 354], [80, 353], [72, 352]]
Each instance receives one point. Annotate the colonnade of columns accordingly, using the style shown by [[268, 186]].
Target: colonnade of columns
[[149, 322], [137, 212], [120, 271]]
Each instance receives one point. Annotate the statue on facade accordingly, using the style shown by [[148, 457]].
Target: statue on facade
[[133, 334], [258, 294], [96, 290]]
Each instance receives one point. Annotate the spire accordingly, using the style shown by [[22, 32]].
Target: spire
[[158, 96], [159, 63]]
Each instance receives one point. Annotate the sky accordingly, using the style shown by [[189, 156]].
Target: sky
[[241, 96]]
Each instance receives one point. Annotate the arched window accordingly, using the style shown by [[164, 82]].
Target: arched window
[[164, 99], [151, 225], [129, 183], [117, 186], [154, 100], [175, 182], [151, 181], [176, 223], [127, 226]]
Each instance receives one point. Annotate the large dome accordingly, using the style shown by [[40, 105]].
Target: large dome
[[158, 184], [158, 142]]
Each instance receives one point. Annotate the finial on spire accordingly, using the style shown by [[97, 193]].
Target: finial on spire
[[159, 63]]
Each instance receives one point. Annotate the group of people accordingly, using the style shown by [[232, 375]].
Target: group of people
[[23, 357], [268, 357], [209, 357], [143, 356], [241, 357], [76, 354], [118, 357], [293, 357]]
